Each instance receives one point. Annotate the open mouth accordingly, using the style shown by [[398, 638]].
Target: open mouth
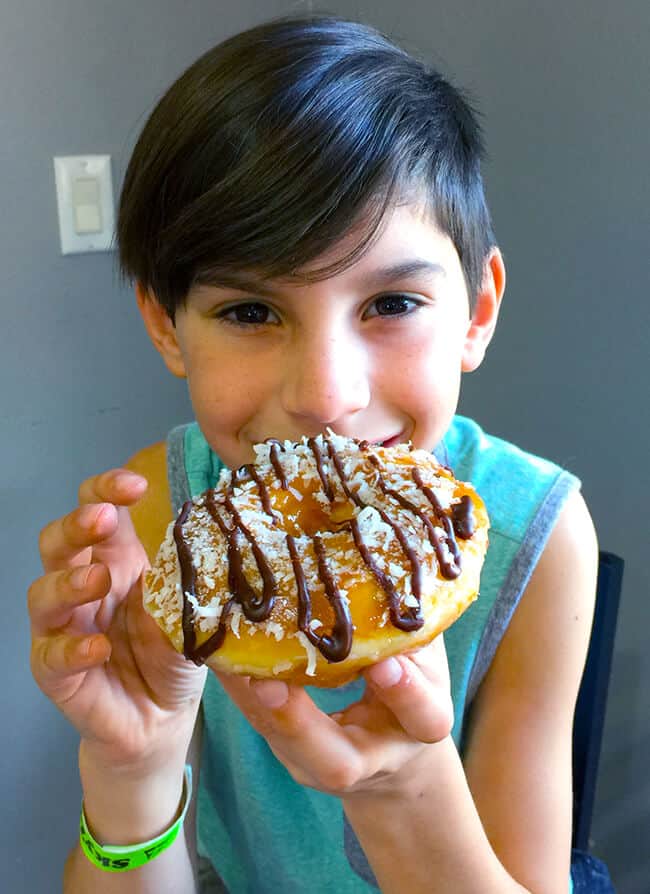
[[390, 442], [376, 442]]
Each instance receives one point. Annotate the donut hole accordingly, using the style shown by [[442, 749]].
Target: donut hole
[[309, 514]]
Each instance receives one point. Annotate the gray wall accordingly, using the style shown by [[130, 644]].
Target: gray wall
[[564, 89], [81, 387]]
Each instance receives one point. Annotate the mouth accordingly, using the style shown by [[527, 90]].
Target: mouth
[[389, 442]]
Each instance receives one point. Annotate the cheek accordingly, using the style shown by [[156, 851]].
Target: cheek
[[224, 388], [424, 381], [427, 361]]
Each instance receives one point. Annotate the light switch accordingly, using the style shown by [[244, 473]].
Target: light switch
[[86, 205], [84, 191]]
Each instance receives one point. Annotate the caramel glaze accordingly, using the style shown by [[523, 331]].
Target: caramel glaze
[[412, 619], [336, 645]]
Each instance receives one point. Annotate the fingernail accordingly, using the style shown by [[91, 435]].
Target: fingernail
[[87, 646], [79, 576], [124, 477], [386, 674], [92, 645], [272, 694], [90, 515]]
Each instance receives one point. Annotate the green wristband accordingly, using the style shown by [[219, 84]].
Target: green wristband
[[121, 857]]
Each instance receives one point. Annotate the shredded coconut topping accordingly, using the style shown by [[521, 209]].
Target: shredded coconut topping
[[209, 546], [312, 654]]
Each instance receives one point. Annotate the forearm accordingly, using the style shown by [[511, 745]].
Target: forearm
[[122, 809], [428, 837], [170, 873]]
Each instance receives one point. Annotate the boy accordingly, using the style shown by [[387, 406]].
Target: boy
[[305, 223]]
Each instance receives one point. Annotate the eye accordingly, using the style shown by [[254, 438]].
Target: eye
[[395, 305], [248, 313]]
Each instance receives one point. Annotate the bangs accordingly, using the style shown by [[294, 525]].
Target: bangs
[[285, 139], [322, 163]]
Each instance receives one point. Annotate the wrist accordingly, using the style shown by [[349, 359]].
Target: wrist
[[426, 768], [122, 858], [127, 804]]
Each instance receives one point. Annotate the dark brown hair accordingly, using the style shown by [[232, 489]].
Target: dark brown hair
[[279, 141]]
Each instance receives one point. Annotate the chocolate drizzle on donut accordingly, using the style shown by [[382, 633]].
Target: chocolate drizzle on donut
[[188, 579], [320, 468], [264, 494], [462, 517], [412, 619], [274, 456], [449, 568], [257, 607]]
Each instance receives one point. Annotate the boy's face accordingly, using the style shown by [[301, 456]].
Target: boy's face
[[368, 353]]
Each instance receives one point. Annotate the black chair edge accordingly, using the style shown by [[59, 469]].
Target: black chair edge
[[592, 696]]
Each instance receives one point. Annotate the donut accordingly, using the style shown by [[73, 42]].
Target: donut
[[319, 558]]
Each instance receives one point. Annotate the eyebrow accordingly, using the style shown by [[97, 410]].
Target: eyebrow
[[403, 270], [384, 276]]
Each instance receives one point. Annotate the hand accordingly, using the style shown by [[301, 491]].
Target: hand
[[95, 652], [371, 745]]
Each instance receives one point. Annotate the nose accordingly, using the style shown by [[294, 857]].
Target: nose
[[327, 378]]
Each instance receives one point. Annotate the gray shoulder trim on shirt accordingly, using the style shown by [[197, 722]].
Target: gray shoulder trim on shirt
[[518, 576], [179, 487], [356, 855], [209, 881]]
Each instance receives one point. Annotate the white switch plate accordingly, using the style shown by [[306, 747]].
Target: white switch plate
[[84, 227]]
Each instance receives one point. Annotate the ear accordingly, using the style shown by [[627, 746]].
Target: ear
[[161, 330], [486, 311]]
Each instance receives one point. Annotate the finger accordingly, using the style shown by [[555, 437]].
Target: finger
[[52, 599], [368, 743], [369, 714], [57, 661], [66, 541], [423, 707], [314, 747], [118, 486]]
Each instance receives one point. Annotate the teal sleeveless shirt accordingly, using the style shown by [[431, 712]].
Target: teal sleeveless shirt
[[258, 831]]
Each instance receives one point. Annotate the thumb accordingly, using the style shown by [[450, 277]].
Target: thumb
[[161, 662]]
